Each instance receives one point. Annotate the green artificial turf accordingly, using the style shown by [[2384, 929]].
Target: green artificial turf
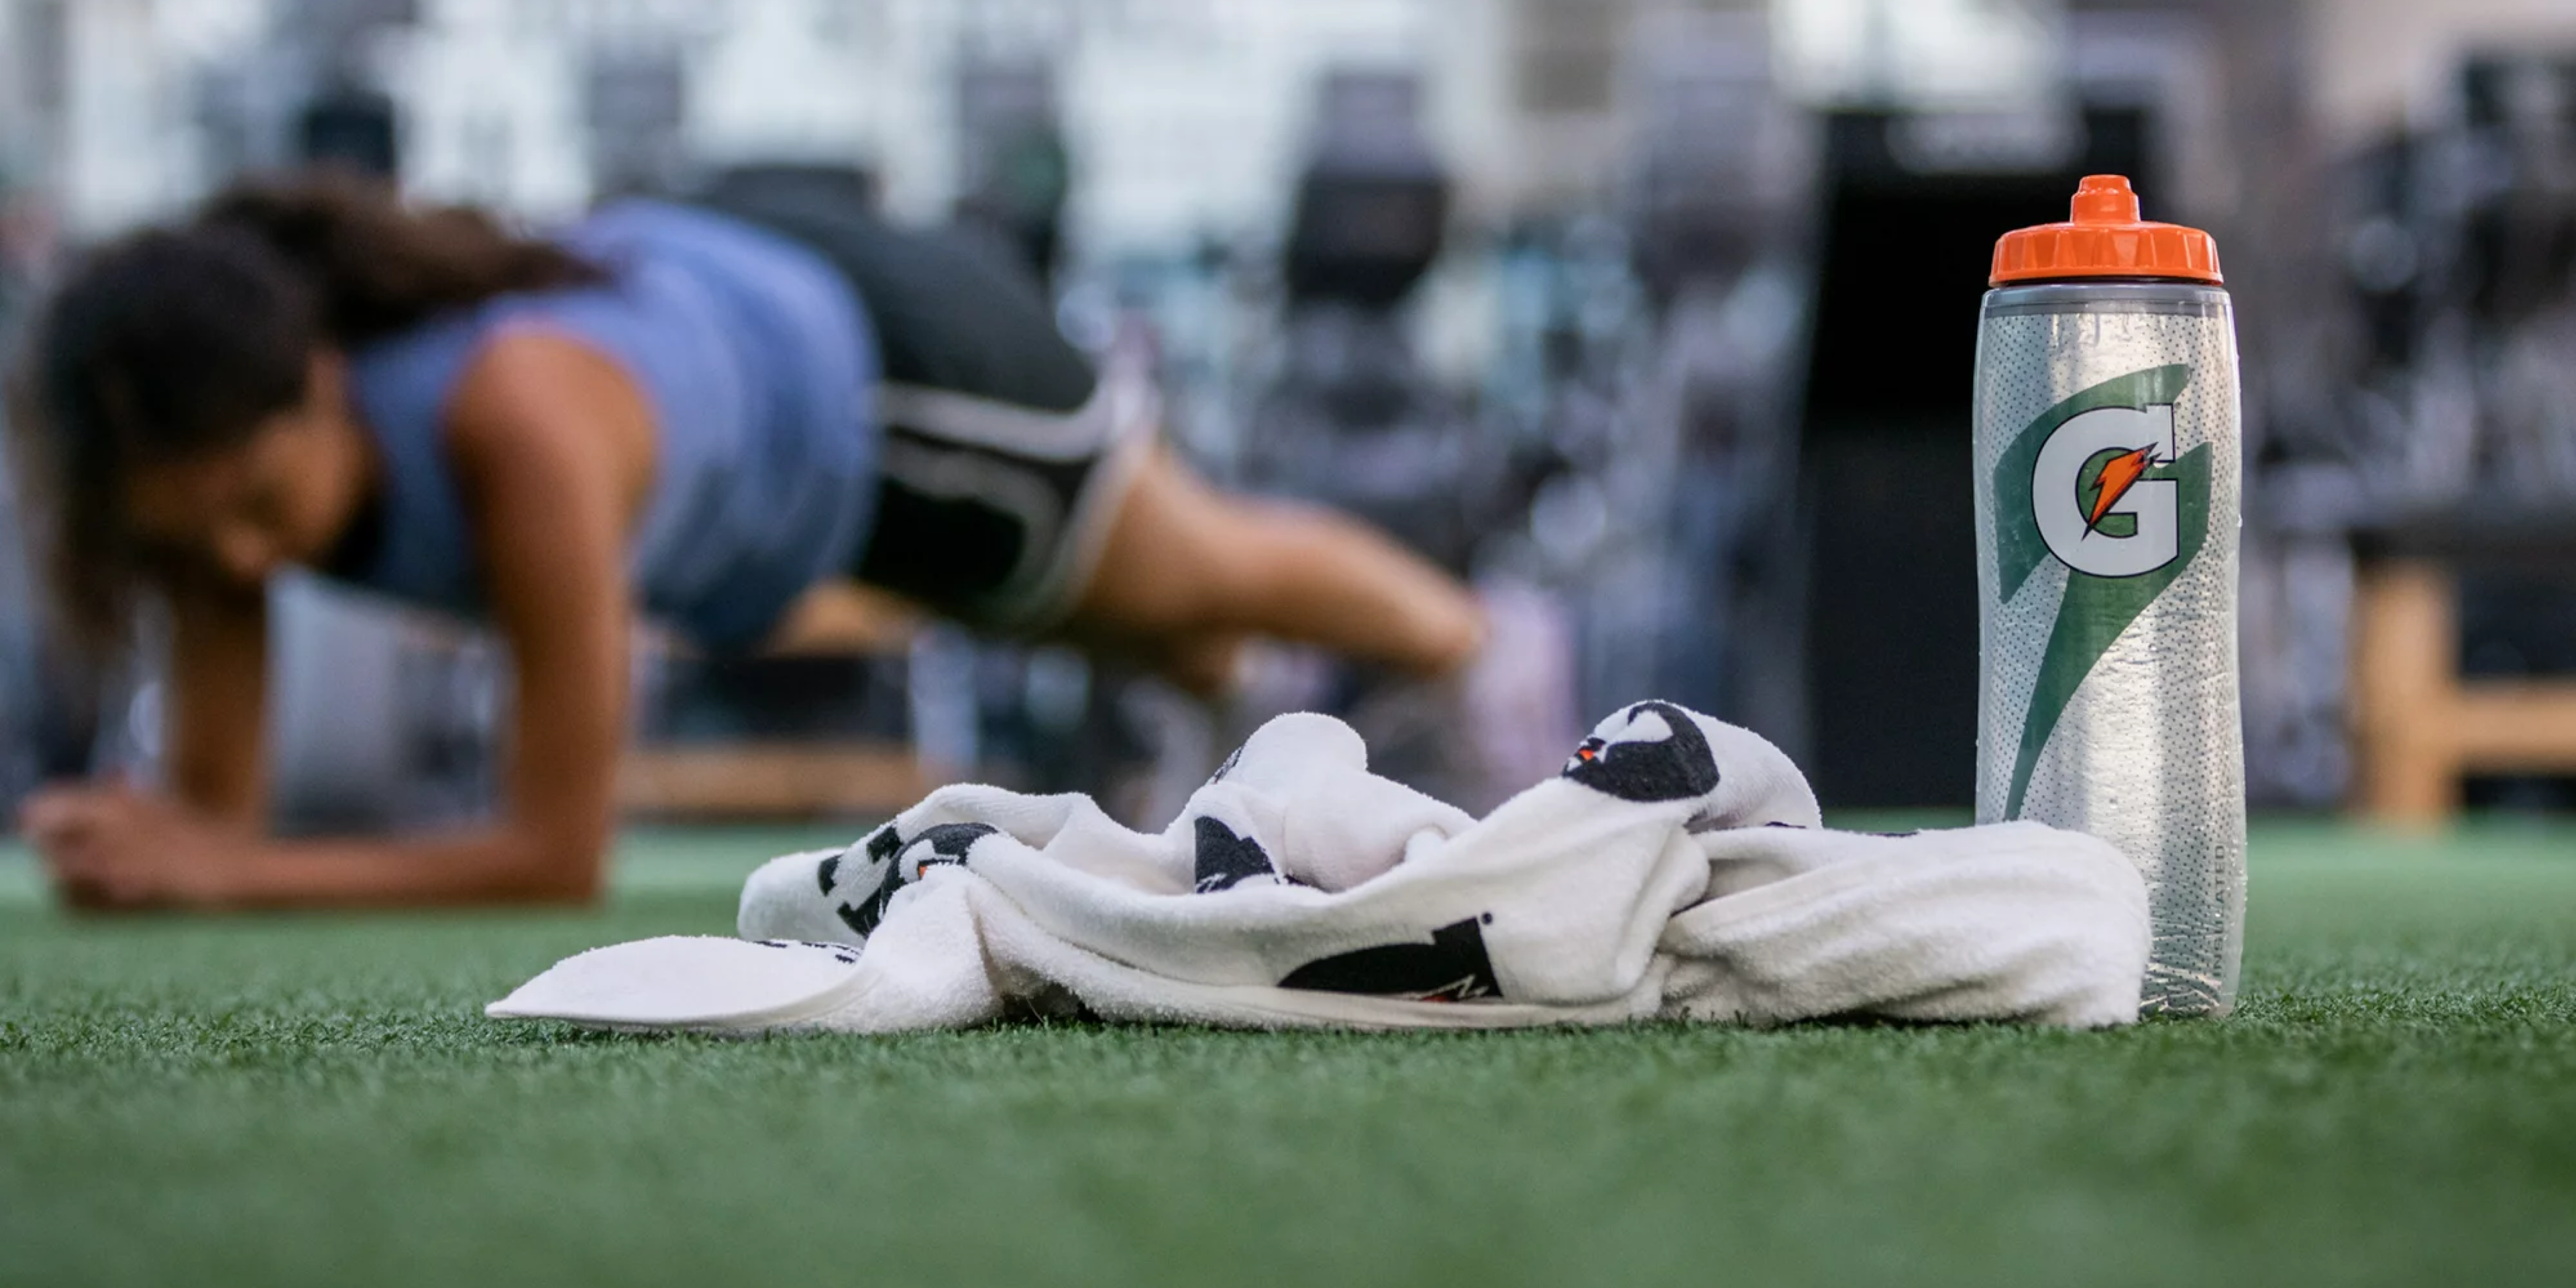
[[319, 1100]]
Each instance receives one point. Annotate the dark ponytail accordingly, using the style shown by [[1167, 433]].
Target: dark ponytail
[[380, 267], [174, 342]]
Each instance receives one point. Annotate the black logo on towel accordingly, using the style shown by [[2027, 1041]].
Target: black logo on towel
[[1453, 967], [1224, 859], [842, 953], [946, 842], [1657, 754]]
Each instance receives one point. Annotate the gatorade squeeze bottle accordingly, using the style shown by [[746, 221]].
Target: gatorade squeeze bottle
[[2107, 492]]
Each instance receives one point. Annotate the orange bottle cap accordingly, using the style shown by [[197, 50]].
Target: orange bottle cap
[[2103, 237]]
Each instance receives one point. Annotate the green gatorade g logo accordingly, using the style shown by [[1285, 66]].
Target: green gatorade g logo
[[2096, 484], [2096, 506], [2107, 481]]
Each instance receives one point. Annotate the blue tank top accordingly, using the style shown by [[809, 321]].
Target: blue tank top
[[757, 363]]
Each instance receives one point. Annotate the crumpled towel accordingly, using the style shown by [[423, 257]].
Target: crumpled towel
[[1676, 869]]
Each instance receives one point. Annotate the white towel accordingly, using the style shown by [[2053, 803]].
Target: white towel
[[1676, 869]]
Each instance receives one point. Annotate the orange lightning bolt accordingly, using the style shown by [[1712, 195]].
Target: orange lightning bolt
[[2117, 474]]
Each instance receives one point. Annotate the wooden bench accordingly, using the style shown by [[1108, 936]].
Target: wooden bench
[[738, 781], [2419, 726], [837, 774]]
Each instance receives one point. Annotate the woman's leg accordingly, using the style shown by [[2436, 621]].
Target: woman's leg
[[993, 427], [1186, 571]]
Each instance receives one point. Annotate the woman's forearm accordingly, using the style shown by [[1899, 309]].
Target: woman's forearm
[[485, 866]]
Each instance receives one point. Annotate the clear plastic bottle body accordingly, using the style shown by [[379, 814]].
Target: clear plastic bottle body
[[2107, 489]]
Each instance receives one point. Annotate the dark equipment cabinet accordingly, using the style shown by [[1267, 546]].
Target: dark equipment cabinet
[[1885, 455]]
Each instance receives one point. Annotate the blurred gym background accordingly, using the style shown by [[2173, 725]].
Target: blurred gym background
[[1658, 315]]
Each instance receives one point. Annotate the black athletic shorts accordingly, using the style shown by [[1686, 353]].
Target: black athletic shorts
[[1005, 452]]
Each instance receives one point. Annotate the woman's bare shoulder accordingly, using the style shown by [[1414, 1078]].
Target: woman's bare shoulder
[[530, 394]]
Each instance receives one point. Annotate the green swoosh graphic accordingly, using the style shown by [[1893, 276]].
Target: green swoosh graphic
[[2018, 548], [2097, 609]]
